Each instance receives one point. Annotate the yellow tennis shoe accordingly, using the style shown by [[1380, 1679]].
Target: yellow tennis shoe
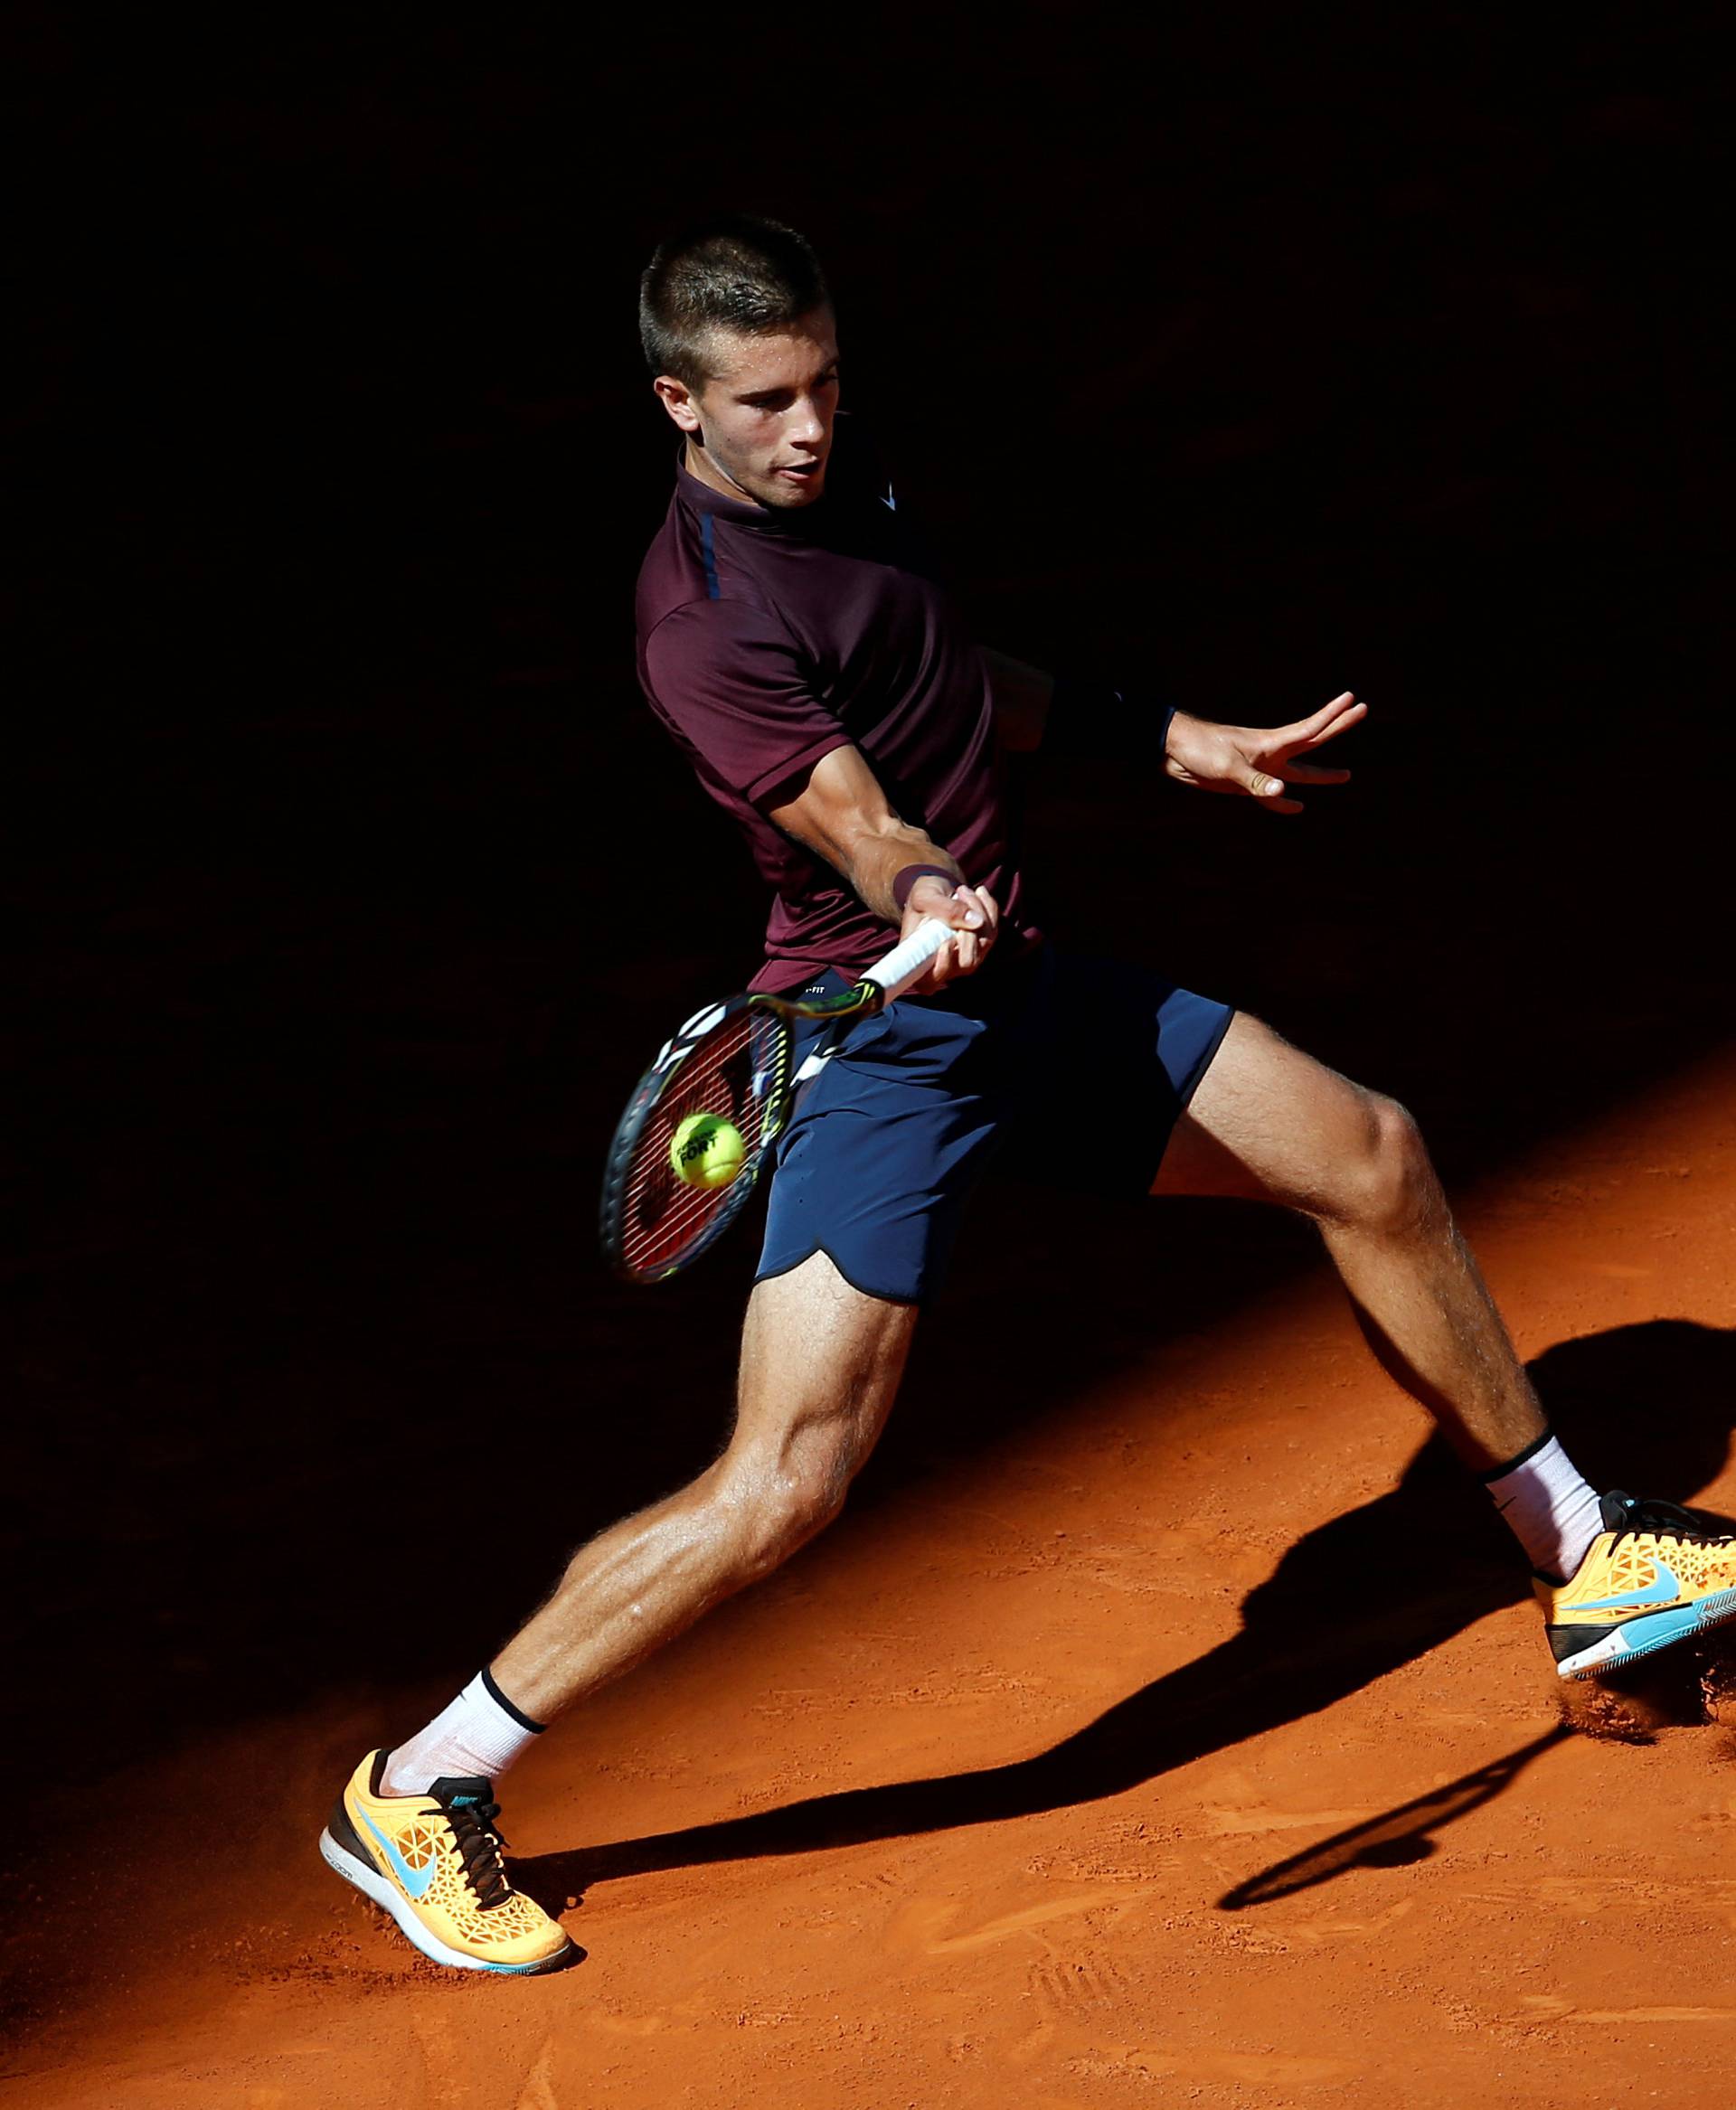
[[1655, 1574], [433, 1861]]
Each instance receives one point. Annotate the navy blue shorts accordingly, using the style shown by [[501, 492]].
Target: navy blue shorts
[[887, 1144]]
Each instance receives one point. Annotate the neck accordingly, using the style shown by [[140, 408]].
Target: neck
[[700, 465]]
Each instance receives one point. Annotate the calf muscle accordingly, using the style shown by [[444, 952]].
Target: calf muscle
[[820, 1369]]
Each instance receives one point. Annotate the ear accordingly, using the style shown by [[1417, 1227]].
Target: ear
[[677, 397]]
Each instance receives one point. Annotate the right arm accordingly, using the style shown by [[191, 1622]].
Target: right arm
[[725, 675], [841, 813]]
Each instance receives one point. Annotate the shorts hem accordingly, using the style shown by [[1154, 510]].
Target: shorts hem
[[885, 1297], [1206, 1057]]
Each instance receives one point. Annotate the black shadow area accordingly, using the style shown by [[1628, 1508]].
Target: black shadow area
[[1398, 1836], [1369, 1591]]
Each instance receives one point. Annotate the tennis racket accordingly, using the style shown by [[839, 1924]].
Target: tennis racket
[[733, 1063]]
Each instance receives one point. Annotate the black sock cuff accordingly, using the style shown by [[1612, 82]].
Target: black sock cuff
[[1530, 1451], [505, 1705]]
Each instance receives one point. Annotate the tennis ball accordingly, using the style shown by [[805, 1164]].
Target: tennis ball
[[706, 1151]]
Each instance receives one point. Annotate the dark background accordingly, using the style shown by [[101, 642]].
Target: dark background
[[352, 885]]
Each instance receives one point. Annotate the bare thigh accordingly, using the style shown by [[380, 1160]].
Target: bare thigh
[[1269, 1123], [821, 1363]]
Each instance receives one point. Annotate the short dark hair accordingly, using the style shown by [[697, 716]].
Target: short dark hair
[[734, 272]]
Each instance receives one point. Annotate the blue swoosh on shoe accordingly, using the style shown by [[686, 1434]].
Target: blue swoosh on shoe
[[1662, 1589], [414, 1881]]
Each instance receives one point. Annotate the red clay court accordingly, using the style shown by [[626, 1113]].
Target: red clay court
[[986, 1801]]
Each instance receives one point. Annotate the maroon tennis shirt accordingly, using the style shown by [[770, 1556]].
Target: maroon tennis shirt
[[767, 638]]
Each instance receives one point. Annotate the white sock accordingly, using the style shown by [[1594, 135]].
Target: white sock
[[481, 1732], [1552, 1513]]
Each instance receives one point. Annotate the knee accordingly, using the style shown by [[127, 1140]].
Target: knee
[[786, 1503], [1387, 1183]]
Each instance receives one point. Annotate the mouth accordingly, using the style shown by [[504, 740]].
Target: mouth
[[799, 472]]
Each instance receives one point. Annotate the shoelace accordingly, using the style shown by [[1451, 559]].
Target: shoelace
[[480, 1845], [1648, 1513]]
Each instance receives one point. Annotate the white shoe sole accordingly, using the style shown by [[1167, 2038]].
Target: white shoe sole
[[1641, 1637], [372, 1884]]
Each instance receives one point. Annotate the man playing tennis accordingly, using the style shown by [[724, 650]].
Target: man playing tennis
[[821, 684]]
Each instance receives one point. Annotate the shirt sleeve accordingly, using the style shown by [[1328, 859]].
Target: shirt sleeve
[[726, 678], [1090, 716]]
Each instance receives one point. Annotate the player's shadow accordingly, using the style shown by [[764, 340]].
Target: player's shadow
[[1363, 1595]]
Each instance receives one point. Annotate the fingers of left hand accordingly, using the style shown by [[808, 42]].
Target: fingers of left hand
[[1339, 716], [1268, 790]]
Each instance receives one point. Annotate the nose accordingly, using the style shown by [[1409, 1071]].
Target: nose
[[807, 425]]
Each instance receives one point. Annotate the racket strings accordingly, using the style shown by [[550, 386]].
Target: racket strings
[[739, 1071]]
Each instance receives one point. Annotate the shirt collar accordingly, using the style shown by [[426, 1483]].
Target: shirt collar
[[766, 520]]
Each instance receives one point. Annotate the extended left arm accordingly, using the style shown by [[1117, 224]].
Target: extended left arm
[[1259, 762]]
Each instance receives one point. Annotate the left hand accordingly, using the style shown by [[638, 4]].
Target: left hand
[[1259, 762]]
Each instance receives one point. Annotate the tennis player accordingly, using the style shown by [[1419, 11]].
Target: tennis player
[[795, 645]]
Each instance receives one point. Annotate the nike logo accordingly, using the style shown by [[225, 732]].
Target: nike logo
[[414, 1881], [1662, 1589]]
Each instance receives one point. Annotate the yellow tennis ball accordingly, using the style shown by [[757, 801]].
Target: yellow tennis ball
[[706, 1151]]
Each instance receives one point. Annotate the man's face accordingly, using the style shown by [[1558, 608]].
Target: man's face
[[760, 425]]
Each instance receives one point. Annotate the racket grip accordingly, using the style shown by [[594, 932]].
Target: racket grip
[[905, 962]]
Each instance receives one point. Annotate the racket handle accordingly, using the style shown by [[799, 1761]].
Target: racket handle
[[905, 962]]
